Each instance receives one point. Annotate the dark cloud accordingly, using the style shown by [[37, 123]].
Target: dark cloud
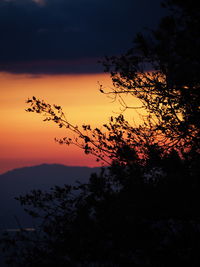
[[69, 32]]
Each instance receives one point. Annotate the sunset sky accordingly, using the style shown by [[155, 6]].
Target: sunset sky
[[50, 49]]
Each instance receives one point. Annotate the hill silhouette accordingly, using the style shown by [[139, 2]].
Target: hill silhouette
[[23, 180]]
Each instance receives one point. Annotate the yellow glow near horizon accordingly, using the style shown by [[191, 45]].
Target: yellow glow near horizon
[[26, 139]]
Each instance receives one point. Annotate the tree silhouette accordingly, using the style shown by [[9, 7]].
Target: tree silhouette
[[142, 210], [162, 70]]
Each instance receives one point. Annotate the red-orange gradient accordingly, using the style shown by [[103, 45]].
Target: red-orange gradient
[[27, 140]]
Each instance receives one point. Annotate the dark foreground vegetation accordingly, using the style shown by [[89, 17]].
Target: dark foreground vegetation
[[142, 210]]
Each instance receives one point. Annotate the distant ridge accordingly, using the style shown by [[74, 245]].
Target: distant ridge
[[21, 181], [47, 174], [53, 165]]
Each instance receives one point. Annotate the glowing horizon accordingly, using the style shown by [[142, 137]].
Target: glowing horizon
[[26, 140]]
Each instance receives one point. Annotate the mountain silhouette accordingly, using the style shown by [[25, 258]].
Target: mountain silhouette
[[21, 181]]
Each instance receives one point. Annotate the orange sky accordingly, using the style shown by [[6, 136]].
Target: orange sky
[[27, 140]]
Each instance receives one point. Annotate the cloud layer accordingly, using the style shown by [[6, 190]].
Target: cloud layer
[[61, 36]]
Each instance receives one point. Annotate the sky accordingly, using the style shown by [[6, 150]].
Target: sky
[[51, 49]]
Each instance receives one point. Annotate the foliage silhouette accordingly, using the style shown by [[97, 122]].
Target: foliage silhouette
[[131, 216], [170, 90], [142, 210]]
